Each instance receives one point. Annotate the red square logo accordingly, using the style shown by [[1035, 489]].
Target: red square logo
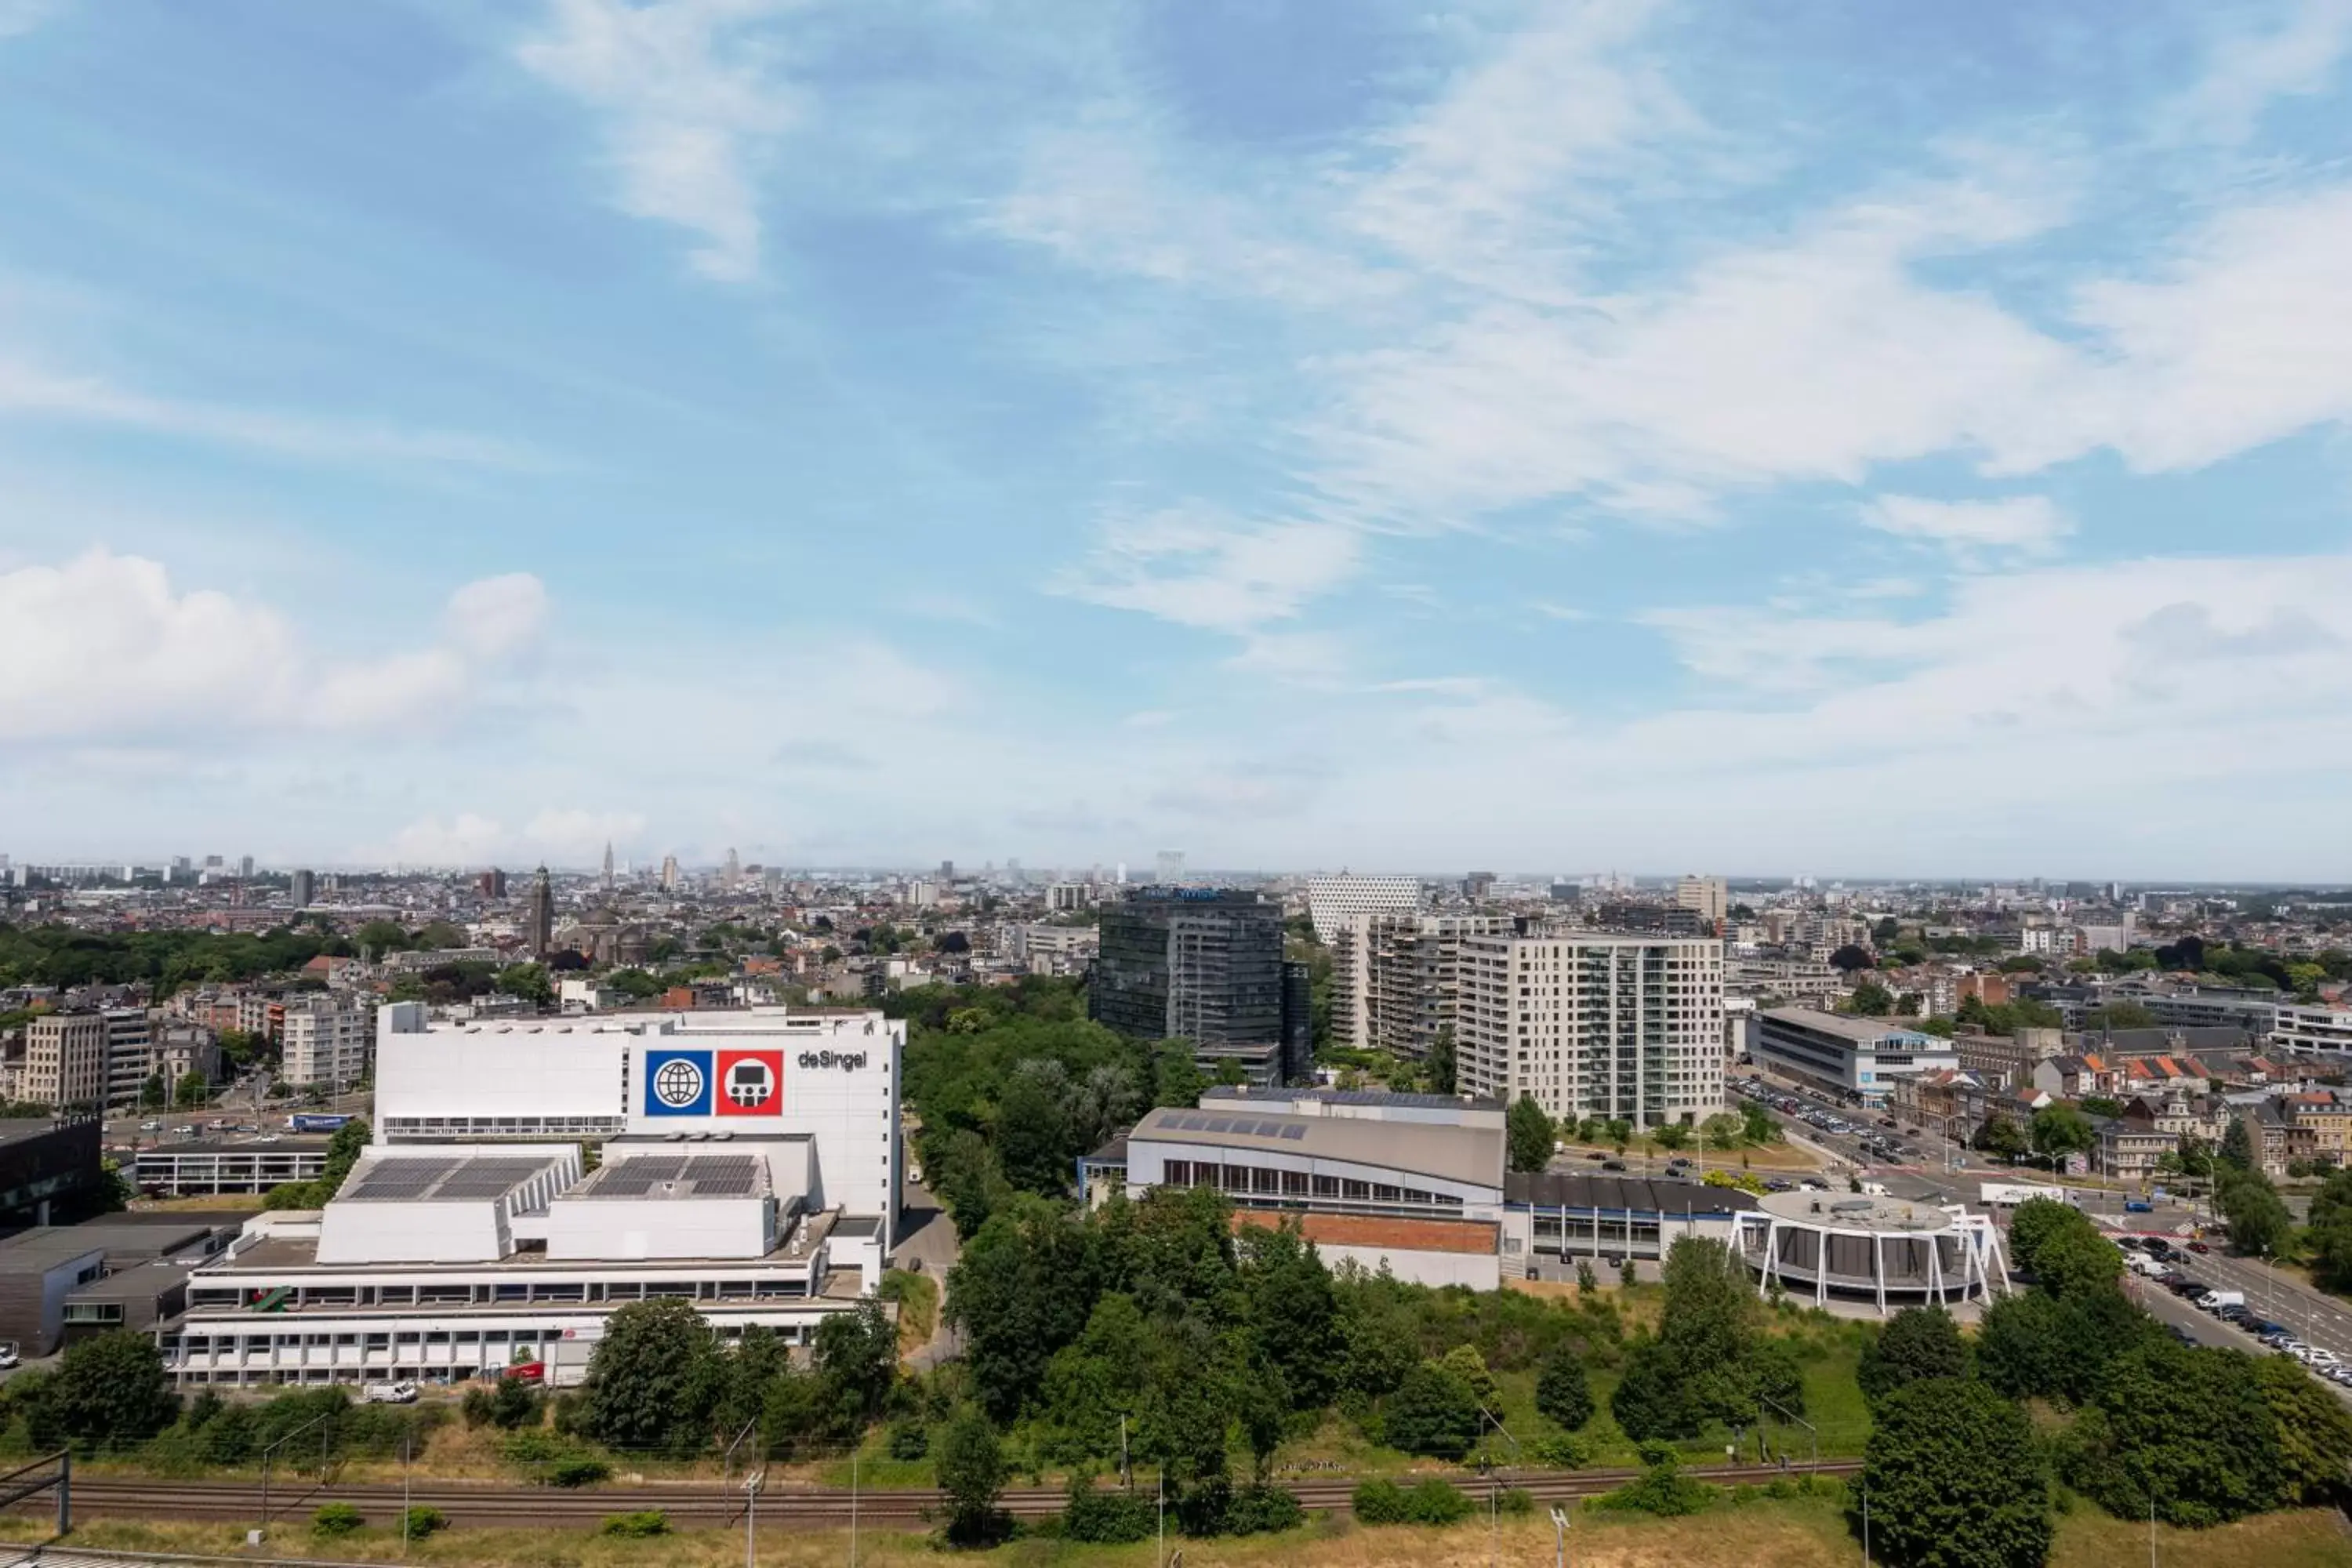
[[751, 1083]]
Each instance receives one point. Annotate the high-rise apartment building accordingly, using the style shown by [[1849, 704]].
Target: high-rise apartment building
[[65, 1060], [1593, 1023], [669, 874], [245, 867], [1198, 963], [491, 884], [1412, 978], [301, 889], [1707, 897], [327, 1040], [1332, 902], [1171, 868], [540, 932]]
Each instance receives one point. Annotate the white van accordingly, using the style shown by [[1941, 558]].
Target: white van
[[402, 1392]]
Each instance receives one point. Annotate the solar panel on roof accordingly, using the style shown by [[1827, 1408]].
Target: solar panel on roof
[[1219, 1124], [1294, 1131]]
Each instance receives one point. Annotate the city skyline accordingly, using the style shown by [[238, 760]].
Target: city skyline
[[1890, 443]]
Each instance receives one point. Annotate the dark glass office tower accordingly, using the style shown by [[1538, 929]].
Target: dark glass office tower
[[1202, 964]]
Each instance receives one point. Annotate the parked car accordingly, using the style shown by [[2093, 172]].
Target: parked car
[[2199, 1249], [9, 1355], [403, 1392]]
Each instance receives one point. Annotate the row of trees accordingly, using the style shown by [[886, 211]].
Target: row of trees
[[1531, 1133]]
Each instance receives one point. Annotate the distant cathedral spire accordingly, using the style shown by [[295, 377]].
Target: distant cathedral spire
[[608, 862]]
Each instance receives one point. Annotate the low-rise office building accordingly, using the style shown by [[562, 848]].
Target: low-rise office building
[[205, 1167], [1856, 1057], [1330, 1156]]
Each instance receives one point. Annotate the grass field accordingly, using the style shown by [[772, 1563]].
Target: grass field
[[1809, 1534]]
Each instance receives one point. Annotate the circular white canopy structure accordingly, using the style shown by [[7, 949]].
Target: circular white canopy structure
[[1894, 1252]]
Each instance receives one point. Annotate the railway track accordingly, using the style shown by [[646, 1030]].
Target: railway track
[[708, 1504]]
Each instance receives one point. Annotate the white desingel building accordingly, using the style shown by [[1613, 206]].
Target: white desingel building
[[748, 1161]]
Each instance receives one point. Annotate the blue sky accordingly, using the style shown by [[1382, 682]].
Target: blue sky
[[1838, 437]]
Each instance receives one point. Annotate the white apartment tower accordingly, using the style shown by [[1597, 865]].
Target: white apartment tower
[[1335, 901], [1342, 909], [1590, 1023]]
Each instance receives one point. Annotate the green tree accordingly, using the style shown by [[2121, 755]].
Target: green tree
[[528, 981], [1955, 1479], [2036, 1221], [2000, 1137], [1293, 1312], [2187, 1428], [1563, 1395], [1432, 1412], [1025, 1288], [1872, 1000], [1528, 1133], [1916, 1344], [856, 1357], [971, 1471], [1441, 1061], [2077, 1262], [151, 1092], [653, 1379], [109, 1392], [2238, 1145], [2060, 1130], [1710, 1361], [2315, 1432], [2259, 1223], [2329, 1236], [1176, 1078], [193, 1090]]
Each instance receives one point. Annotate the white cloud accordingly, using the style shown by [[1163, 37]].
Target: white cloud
[[693, 108], [2243, 338], [19, 17], [2248, 69], [580, 833], [105, 650], [27, 389], [1476, 185], [496, 617], [1198, 568], [2031, 525], [573, 835], [464, 839]]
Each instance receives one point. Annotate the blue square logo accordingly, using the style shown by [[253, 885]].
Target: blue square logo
[[677, 1083]]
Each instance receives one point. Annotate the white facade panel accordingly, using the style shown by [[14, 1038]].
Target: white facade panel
[[750, 1075], [412, 1233], [627, 1230]]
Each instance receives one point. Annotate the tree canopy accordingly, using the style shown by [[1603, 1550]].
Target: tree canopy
[[1955, 1478], [1528, 1133]]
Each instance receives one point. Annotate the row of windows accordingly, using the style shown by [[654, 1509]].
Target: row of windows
[[514, 1293], [1260, 1181]]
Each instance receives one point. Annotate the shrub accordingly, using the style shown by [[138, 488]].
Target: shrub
[[421, 1521], [578, 1470], [1437, 1503], [1106, 1518], [1262, 1510], [1379, 1502], [1515, 1500], [1561, 1451], [642, 1525], [336, 1519], [1661, 1489], [909, 1440]]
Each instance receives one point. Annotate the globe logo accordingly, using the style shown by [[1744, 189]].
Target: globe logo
[[677, 1082], [749, 1084]]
